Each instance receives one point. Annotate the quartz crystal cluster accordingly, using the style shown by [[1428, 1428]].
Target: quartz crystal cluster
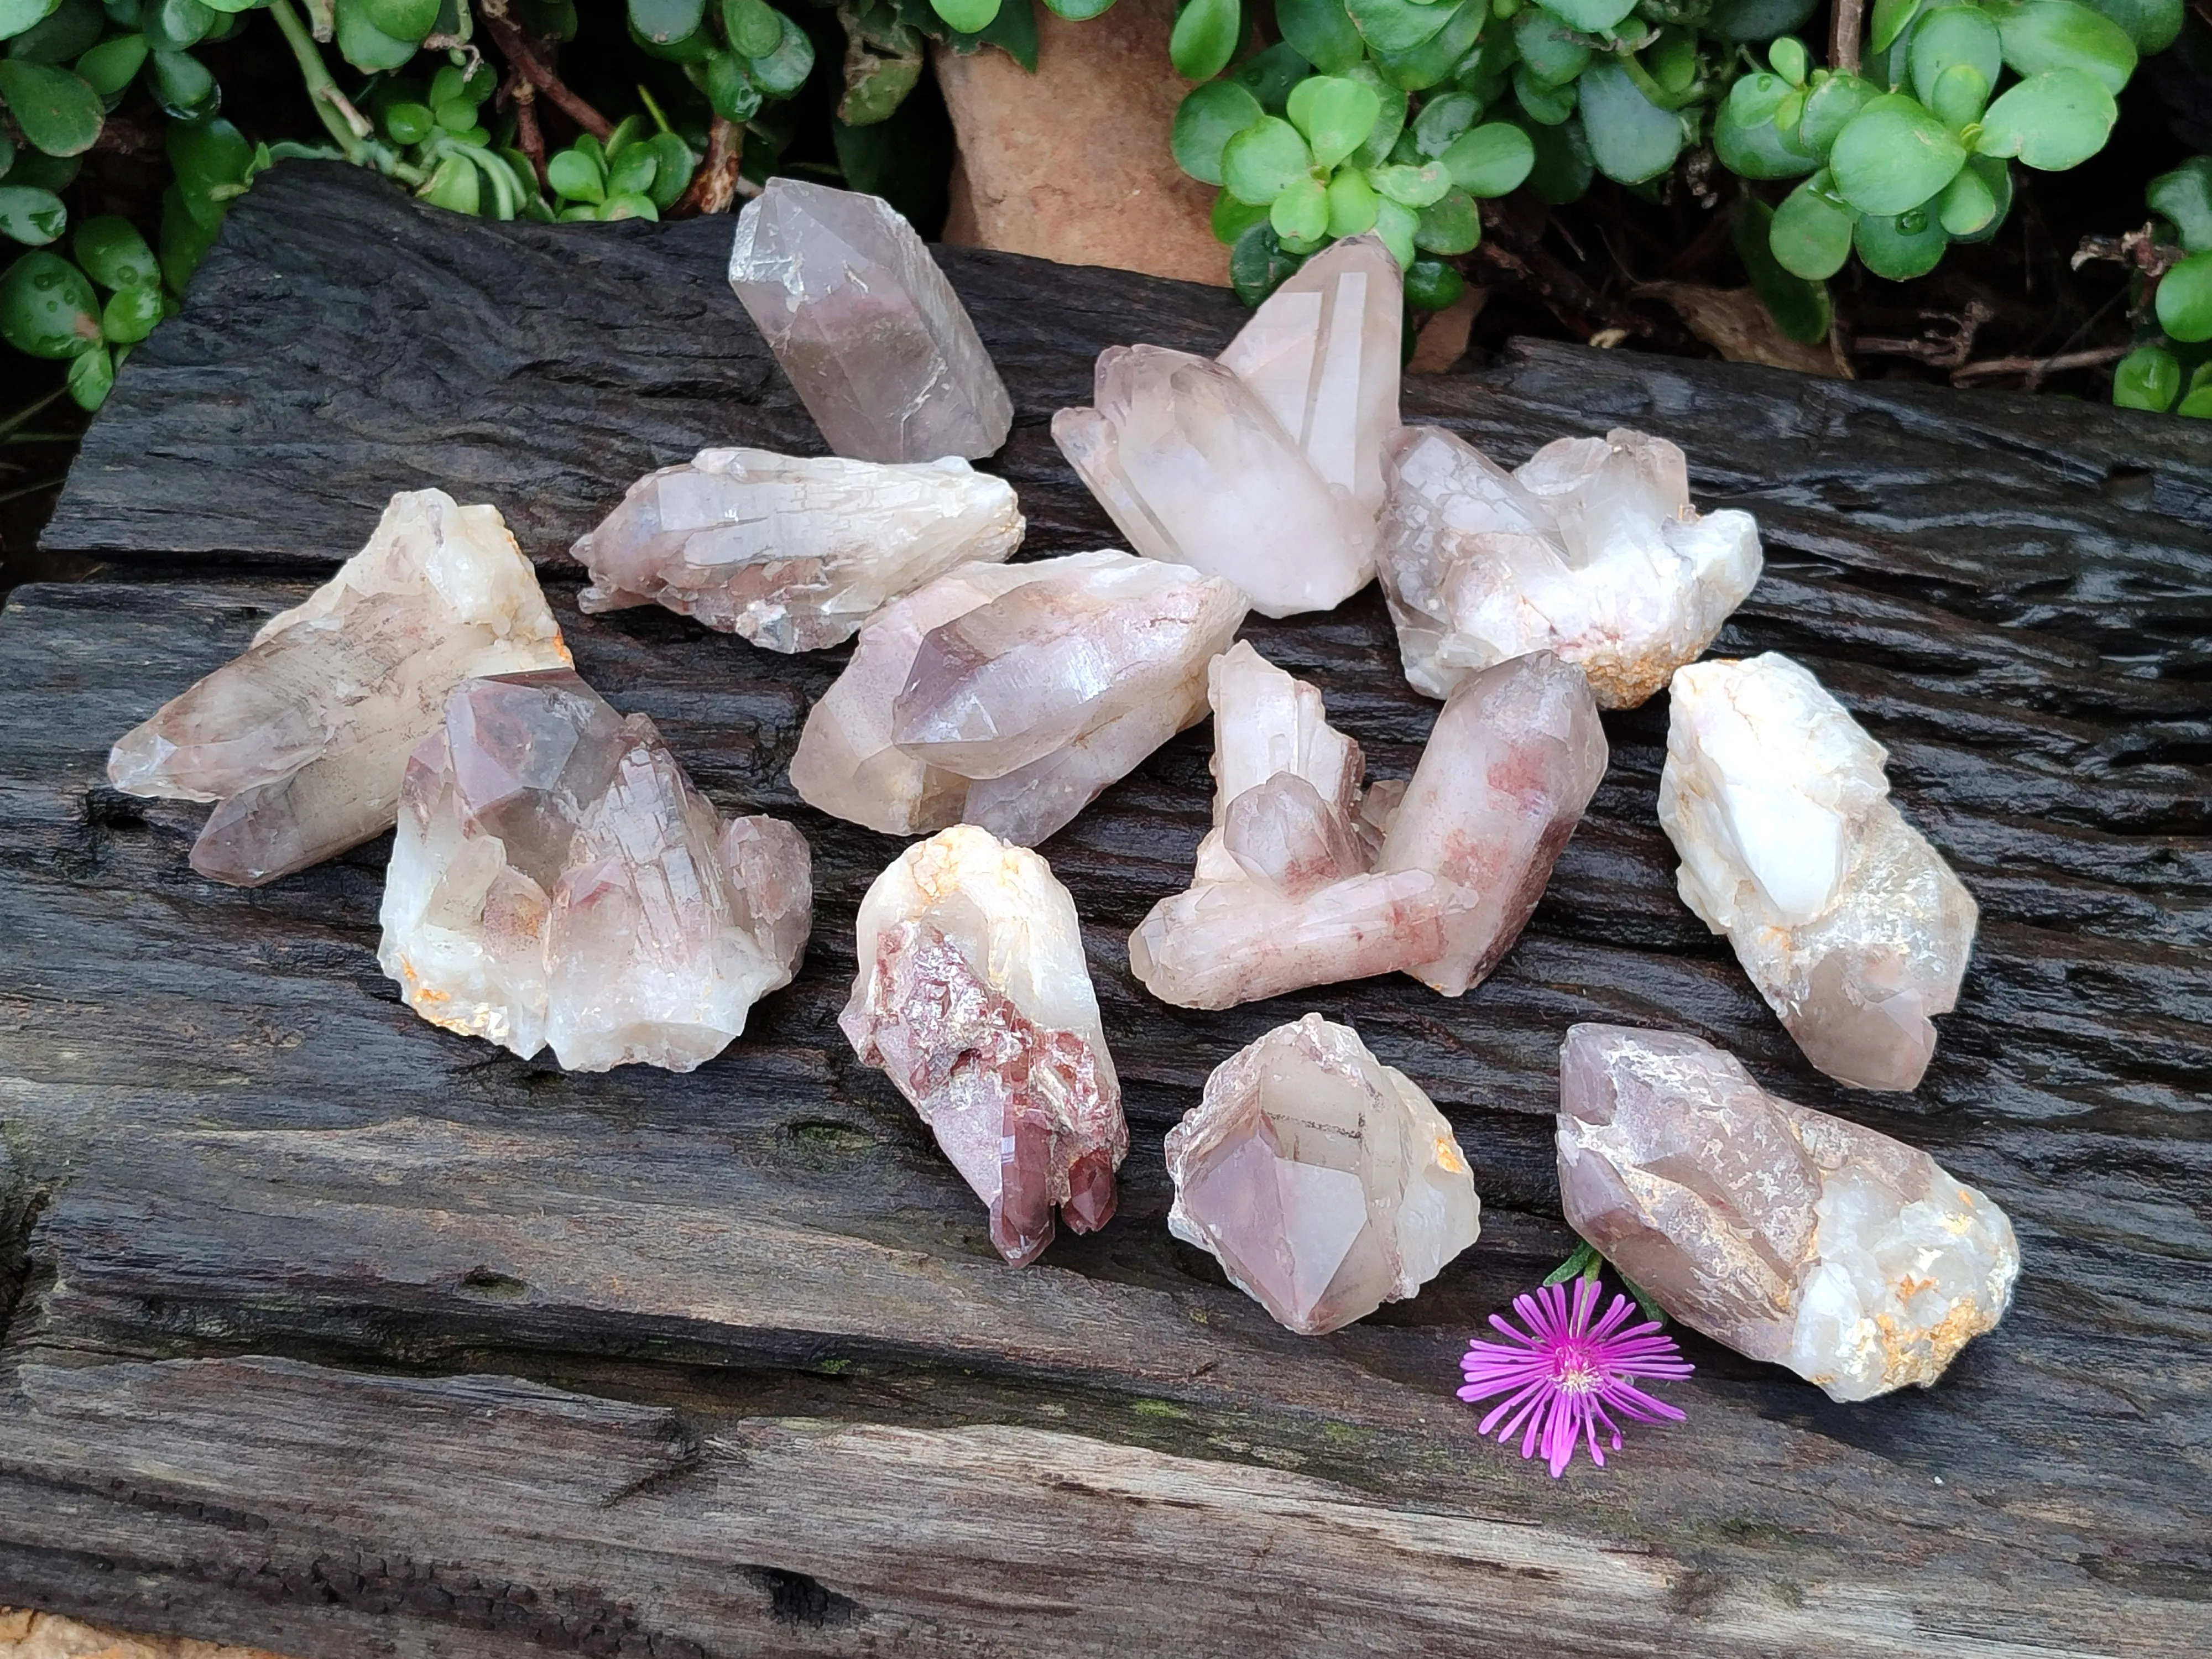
[[875, 341], [1789, 1234], [556, 879], [1007, 697], [1304, 881], [973, 998], [793, 553], [1591, 550], [1265, 467], [302, 740], [1852, 927], [1326, 1182]]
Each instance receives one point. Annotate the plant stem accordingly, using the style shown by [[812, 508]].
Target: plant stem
[[10, 423], [345, 124], [513, 47], [1848, 22]]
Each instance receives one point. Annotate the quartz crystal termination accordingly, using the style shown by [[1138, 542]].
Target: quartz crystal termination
[[556, 879], [1304, 881], [1789, 1234], [301, 741], [878, 345], [973, 998], [793, 553], [1324, 1182], [1008, 697], [1591, 550], [1851, 926]]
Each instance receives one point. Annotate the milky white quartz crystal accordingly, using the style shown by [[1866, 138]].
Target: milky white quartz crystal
[[1851, 926], [302, 740], [793, 553], [1008, 697], [1789, 1234], [1301, 881], [1591, 550], [556, 879], [973, 998], [1325, 1182], [876, 343]]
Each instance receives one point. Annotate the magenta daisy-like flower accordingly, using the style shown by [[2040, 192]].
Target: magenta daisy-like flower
[[1565, 1378]]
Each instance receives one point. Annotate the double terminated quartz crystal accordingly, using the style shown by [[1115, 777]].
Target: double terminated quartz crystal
[[1302, 881], [302, 740], [974, 997], [793, 554], [1791, 1236], [556, 879], [1007, 697], [1325, 1182], [1851, 926], [873, 337], [1591, 549]]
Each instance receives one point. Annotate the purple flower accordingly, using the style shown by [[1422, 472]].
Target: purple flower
[[1565, 1377]]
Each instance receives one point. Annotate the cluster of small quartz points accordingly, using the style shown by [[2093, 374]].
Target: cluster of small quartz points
[[1007, 697], [1325, 1182], [1791, 1236], [974, 997], [1851, 926], [556, 879], [794, 554], [1302, 880]]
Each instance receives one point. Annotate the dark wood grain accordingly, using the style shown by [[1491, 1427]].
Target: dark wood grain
[[338, 1333]]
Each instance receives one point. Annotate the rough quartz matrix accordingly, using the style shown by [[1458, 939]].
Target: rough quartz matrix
[[556, 879], [1591, 549], [301, 741], [1852, 927], [793, 553], [1008, 697], [876, 343], [1303, 880], [973, 998], [1326, 1182], [1789, 1234]]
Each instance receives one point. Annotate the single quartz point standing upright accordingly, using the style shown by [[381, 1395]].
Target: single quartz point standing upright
[[1851, 926], [556, 879], [1304, 881], [1591, 550], [973, 998], [301, 741], [1789, 1234], [1008, 697], [876, 343], [1324, 1182], [793, 553]]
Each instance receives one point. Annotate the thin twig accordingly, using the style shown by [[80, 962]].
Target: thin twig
[[1948, 345], [516, 50], [9, 424], [717, 183], [30, 489], [1845, 26], [523, 97], [2035, 368], [2139, 248]]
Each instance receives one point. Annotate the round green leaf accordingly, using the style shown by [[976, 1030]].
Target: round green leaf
[[1591, 16], [1563, 168], [730, 89], [130, 314], [1967, 205], [1443, 118], [629, 205], [232, 8], [1894, 155], [111, 66], [1631, 137], [174, 24], [30, 216], [1951, 35], [1202, 42], [1335, 115], [1550, 47], [674, 165], [2185, 299], [408, 123], [1271, 74], [631, 173], [1909, 244], [185, 239], [1258, 265], [752, 27], [1800, 309], [1320, 32], [1996, 174], [1787, 58], [1415, 186], [2051, 121], [1431, 284], [208, 155], [783, 71], [1300, 214], [1811, 235], [1388, 125], [2153, 24], [2147, 379], [1432, 62], [366, 46], [1745, 137], [2063, 34], [1353, 203], [17, 15], [1958, 97], [183, 85], [2198, 404], [1829, 109], [575, 177], [47, 308], [410, 20], [2185, 196], [1078, 11], [1452, 225], [58, 110], [455, 186], [1395, 223], [1890, 17], [1232, 218], [968, 16], [1206, 120], [1546, 106], [1264, 160], [1493, 160], [1397, 24], [67, 31], [113, 254], [91, 378]]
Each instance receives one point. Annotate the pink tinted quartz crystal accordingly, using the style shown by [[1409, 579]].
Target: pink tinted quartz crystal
[[1008, 697], [556, 879], [1304, 881], [973, 998], [878, 345], [1851, 926], [301, 741], [1325, 1182], [793, 553], [1790, 1235]]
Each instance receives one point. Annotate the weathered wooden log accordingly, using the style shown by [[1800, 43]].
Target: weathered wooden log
[[335, 1333]]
